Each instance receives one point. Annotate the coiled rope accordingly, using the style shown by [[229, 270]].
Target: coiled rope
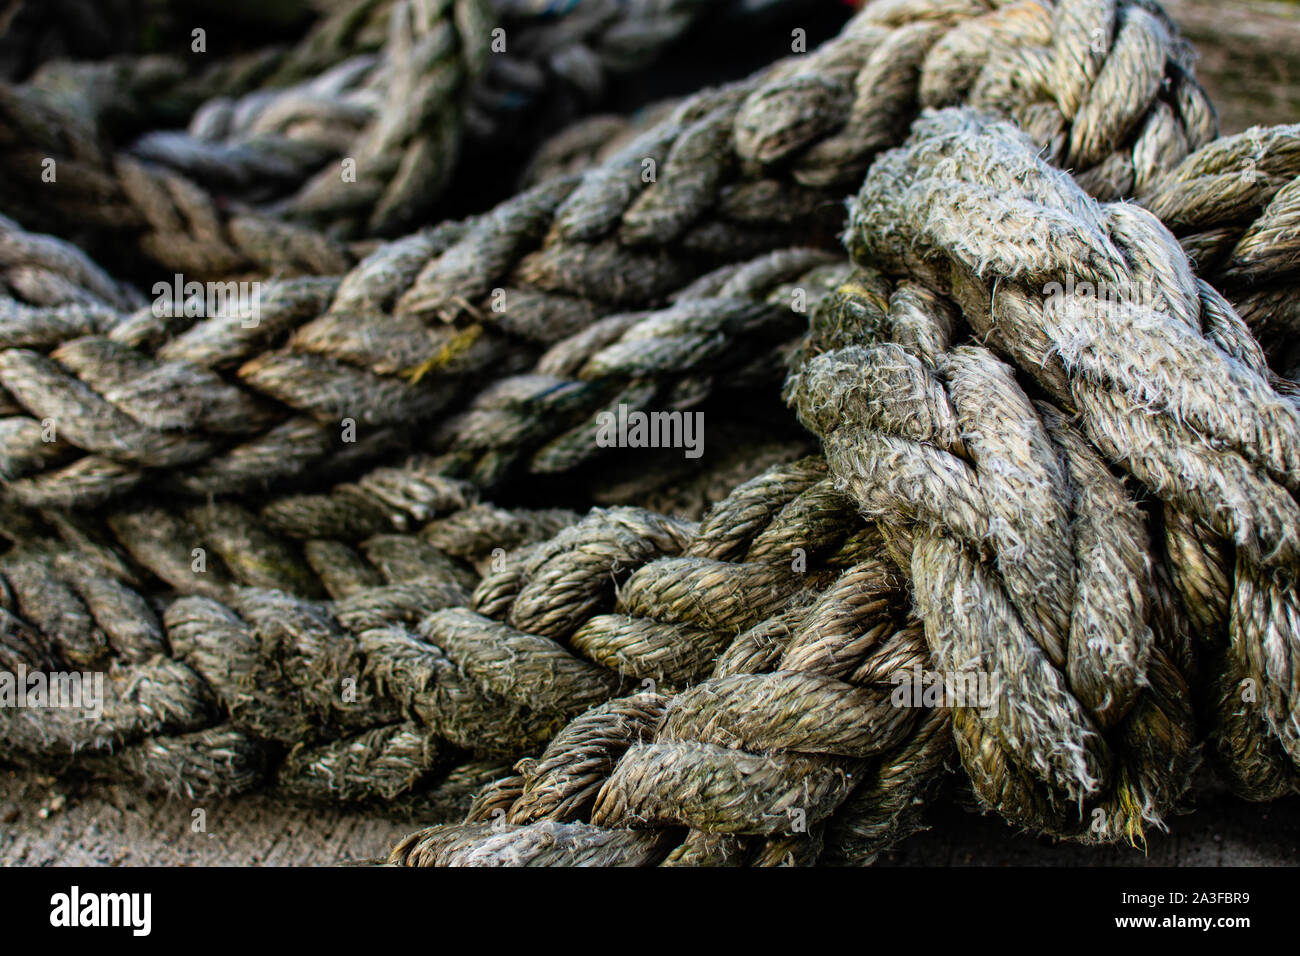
[[982, 468], [740, 167], [1027, 556], [257, 685]]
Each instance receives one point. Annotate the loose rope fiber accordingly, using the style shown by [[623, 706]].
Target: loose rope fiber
[[1232, 204]]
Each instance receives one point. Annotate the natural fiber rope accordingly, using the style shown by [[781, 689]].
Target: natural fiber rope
[[1116, 637], [273, 663], [198, 204], [280, 138], [1165, 381], [728, 327], [965, 478], [396, 524], [397, 116], [176, 225], [276, 667], [782, 732], [716, 331], [1232, 204], [1029, 564], [737, 168], [988, 488]]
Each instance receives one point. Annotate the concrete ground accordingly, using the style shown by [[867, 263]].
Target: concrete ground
[[41, 823], [1222, 831]]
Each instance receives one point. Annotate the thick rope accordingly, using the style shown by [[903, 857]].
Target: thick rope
[[1066, 596], [261, 676], [997, 438], [362, 145], [358, 106], [1119, 640], [1165, 382], [1233, 204], [518, 415], [396, 116], [739, 170], [343, 698], [794, 727], [1029, 563]]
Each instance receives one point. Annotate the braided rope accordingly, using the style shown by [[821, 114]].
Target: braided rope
[[434, 52], [396, 115], [394, 524], [940, 443], [1232, 204], [362, 141], [922, 432], [1029, 562], [980, 467], [536, 407], [357, 104], [343, 699]]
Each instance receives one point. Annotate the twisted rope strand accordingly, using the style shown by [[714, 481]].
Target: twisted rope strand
[[1156, 386], [804, 127]]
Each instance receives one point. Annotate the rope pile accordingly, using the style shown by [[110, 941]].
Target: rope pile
[[392, 345], [1058, 426], [1027, 557], [374, 133]]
